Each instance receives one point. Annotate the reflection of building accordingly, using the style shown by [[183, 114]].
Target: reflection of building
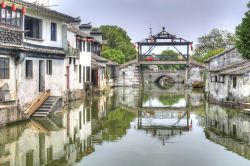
[[229, 128], [62, 139]]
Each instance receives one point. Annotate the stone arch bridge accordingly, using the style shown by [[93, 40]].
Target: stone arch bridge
[[178, 76]]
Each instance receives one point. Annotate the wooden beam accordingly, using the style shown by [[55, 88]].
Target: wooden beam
[[163, 62], [164, 44]]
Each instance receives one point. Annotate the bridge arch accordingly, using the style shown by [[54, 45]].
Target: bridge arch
[[167, 77]]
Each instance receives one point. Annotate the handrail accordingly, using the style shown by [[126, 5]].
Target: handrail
[[39, 100]]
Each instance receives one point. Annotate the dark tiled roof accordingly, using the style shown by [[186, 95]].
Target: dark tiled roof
[[42, 9], [77, 31], [32, 48], [45, 50], [237, 70], [99, 58], [88, 26], [195, 63], [11, 46], [229, 66]]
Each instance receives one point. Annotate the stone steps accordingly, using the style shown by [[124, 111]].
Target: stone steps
[[47, 107]]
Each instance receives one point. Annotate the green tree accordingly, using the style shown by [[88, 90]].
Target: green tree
[[118, 42], [113, 54], [169, 55], [243, 35], [208, 55], [215, 39]]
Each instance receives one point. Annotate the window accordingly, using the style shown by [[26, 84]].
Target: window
[[13, 18], [88, 46], [83, 73], [29, 69], [4, 68], [49, 67], [8, 16], [88, 73], [18, 18], [83, 46], [53, 31], [80, 73], [234, 82], [33, 26], [3, 15], [214, 79], [79, 44], [222, 79]]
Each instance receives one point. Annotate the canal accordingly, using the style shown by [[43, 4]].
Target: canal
[[159, 126]]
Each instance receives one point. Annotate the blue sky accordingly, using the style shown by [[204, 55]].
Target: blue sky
[[185, 18]]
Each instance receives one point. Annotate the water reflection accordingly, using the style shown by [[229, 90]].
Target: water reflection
[[118, 127], [229, 128]]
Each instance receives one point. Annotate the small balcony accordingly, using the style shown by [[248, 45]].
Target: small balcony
[[11, 36], [73, 53]]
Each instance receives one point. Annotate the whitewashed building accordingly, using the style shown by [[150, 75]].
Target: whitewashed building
[[33, 42], [228, 77]]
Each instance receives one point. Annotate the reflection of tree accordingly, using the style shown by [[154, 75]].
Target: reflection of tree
[[116, 123], [170, 99]]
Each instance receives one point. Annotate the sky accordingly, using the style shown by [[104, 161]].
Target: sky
[[188, 19]]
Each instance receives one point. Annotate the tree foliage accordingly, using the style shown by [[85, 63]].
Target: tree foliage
[[243, 35], [170, 55], [214, 40], [119, 47], [208, 55]]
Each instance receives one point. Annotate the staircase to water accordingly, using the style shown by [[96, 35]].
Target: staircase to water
[[47, 107]]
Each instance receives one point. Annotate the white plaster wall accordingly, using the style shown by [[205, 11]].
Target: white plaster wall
[[12, 77], [242, 90], [84, 60], [46, 31], [130, 77], [195, 74], [218, 90], [28, 88], [226, 59]]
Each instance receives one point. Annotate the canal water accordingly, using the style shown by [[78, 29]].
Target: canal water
[[159, 126]]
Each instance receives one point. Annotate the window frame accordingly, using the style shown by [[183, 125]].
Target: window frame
[[234, 78], [39, 28], [27, 74], [49, 67], [88, 73], [53, 31], [80, 73], [4, 68]]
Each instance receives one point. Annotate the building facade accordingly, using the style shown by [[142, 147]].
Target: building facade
[[228, 77]]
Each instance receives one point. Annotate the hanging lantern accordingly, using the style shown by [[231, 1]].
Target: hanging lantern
[[3, 5], [13, 7], [191, 46], [24, 10]]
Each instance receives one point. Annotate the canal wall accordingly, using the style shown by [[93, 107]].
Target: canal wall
[[11, 115]]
